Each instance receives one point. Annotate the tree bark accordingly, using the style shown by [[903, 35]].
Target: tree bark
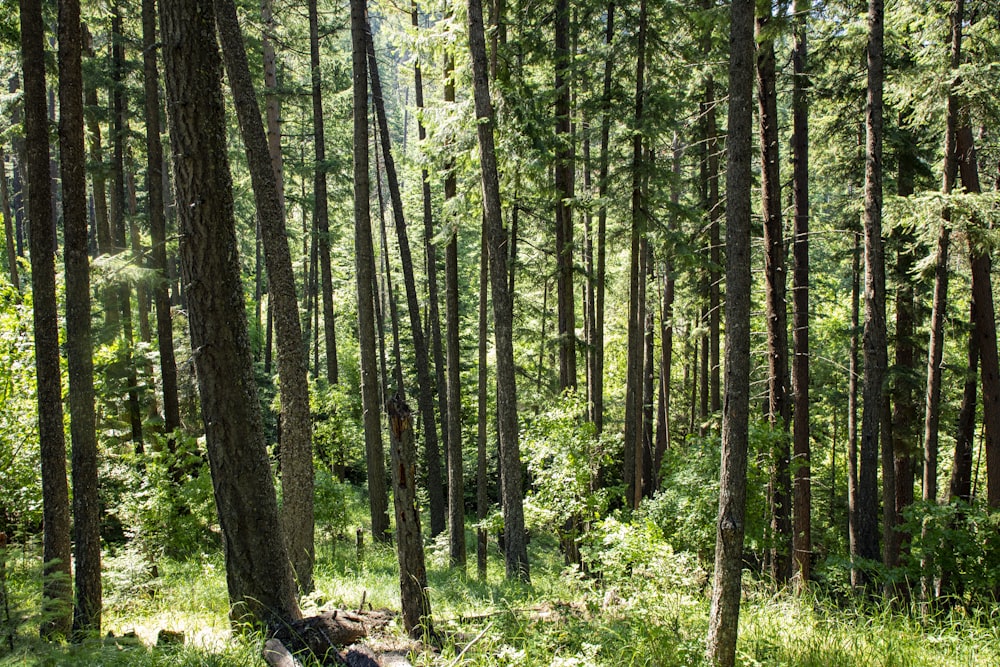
[[365, 276], [57, 591], [802, 455], [79, 345], [409, 542], [482, 372], [8, 226], [158, 224], [852, 407], [425, 393], [259, 577], [779, 403], [296, 426], [960, 487], [875, 355], [515, 542], [321, 209], [725, 608], [564, 177]]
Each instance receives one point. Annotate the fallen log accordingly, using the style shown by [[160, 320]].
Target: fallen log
[[325, 634]]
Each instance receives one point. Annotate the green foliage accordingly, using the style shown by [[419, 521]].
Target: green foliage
[[338, 432]]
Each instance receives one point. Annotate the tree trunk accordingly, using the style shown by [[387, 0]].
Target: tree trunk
[[482, 499], [430, 247], [852, 408], [802, 455], [365, 275], [960, 487], [711, 354], [296, 426], [779, 404], [409, 542], [984, 325], [79, 346], [602, 225], [636, 320], [875, 355], [158, 225], [258, 574], [321, 210], [725, 609], [8, 226], [515, 539], [564, 191], [57, 590], [425, 393]]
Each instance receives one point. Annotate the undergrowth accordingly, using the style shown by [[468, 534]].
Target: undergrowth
[[647, 606]]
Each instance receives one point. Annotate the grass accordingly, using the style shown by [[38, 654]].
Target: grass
[[562, 619]]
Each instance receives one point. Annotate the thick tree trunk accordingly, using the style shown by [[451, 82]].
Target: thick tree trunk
[[802, 485], [365, 276], [260, 580], [79, 345], [57, 590], [158, 223], [779, 403], [515, 542], [725, 609], [564, 191], [321, 209], [875, 355], [296, 426], [425, 392], [409, 542]]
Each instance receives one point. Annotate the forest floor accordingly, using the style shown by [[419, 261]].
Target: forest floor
[[562, 619]]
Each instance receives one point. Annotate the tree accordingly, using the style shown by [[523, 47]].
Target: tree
[[157, 221], [725, 609], [57, 590], [365, 276], [779, 405], [801, 459], [296, 433], [79, 345], [515, 543], [258, 573], [875, 355], [8, 226], [564, 176]]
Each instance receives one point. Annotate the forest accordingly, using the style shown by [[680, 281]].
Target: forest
[[605, 332]]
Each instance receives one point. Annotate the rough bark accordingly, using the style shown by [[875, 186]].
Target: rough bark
[[57, 591], [725, 608], [259, 577], [425, 392], [801, 446], [79, 345], [874, 339], [158, 223], [564, 191], [414, 595], [321, 212], [365, 276], [515, 542], [482, 372], [296, 427], [779, 403]]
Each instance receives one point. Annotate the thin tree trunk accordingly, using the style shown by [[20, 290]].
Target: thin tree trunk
[[425, 393], [802, 454], [321, 209], [8, 226], [79, 346], [875, 355], [636, 320], [852, 408], [779, 403], [158, 225], [960, 487], [57, 590], [725, 608], [414, 593], [515, 542], [602, 224], [365, 275], [564, 191], [482, 500]]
